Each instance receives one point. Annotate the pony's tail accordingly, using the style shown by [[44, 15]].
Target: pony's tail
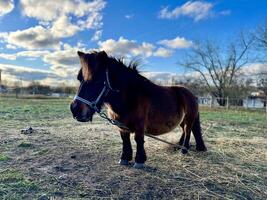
[[196, 129]]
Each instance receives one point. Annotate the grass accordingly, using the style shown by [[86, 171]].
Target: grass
[[24, 144], [14, 185], [66, 159], [4, 157]]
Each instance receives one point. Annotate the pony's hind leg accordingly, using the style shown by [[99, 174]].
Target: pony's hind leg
[[127, 152], [181, 141], [196, 129], [186, 125], [187, 133]]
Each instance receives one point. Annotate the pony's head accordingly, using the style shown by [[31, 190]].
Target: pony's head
[[94, 85]]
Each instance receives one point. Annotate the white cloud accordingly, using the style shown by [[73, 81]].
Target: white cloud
[[52, 81], [124, 47], [65, 62], [66, 57], [27, 54], [57, 20], [62, 27], [50, 10], [3, 37], [164, 78], [63, 66], [8, 56], [32, 54], [6, 6], [97, 35], [254, 69], [94, 21], [58, 14], [33, 38], [10, 46], [65, 71], [18, 69], [176, 43], [162, 52], [198, 10], [15, 73]]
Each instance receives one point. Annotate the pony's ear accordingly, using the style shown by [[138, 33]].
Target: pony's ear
[[80, 54], [102, 55]]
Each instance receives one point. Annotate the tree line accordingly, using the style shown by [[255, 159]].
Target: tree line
[[221, 66]]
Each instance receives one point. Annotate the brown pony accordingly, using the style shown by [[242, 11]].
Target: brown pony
[[136, 102]]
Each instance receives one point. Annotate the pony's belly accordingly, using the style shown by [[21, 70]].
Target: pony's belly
[[157, 127]]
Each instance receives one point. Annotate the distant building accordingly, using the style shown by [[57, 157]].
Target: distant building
[[56, 94], [3, 89], [255, 100]]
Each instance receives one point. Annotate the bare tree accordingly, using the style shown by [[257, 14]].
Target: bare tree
[[217, 66], [261, 45], [261, 36]]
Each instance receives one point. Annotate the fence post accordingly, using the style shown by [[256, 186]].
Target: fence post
[[211, 101], [227, 103]]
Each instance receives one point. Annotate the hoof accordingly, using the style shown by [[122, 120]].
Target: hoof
[[123, 162], [177, 147], [202, 148], [184, 151], [139, 165]]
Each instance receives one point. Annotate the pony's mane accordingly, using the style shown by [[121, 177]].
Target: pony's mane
[[129, 71], [132, 66]]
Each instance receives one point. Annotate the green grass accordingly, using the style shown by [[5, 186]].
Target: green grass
[[25, 145], [14, 185], [4, 157], [239, 117], [33, 109], [66, 159], [32, 112]]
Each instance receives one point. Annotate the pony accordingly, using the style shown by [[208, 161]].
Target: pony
[[134, 101]]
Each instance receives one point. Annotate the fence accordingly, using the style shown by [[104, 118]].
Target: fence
[[255, 103]]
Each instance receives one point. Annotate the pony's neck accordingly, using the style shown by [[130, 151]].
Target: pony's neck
[[130, 85], [121, 79]]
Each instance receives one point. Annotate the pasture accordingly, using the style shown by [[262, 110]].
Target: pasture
[[63, 158]]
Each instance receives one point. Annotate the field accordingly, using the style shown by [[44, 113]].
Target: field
[[66, 159]]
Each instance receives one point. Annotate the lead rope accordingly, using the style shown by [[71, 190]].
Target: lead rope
[[121, 125]]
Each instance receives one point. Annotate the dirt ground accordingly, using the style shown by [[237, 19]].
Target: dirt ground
[[65, 159]]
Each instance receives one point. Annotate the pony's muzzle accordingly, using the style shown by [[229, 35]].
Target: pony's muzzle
[[74, 108], [81, 112]]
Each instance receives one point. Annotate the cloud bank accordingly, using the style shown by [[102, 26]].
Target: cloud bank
[[6, 6]]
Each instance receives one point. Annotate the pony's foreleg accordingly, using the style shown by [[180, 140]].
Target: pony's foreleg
[[127, 152], [140, 157]]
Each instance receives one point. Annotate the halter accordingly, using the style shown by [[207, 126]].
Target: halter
[[104, 92]]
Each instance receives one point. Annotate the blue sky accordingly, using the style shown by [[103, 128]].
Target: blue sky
[[39, 39]]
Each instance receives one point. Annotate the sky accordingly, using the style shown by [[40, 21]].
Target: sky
[[39, 39]]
